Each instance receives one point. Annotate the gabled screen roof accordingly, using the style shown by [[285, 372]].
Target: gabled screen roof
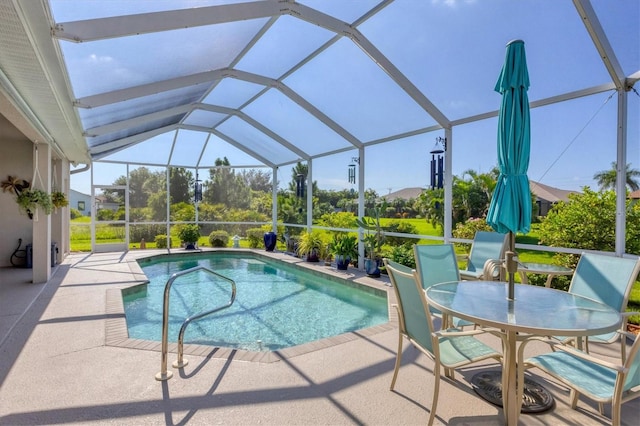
[[276, 82]]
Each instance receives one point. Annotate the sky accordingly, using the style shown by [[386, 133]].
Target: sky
[[452, 51]]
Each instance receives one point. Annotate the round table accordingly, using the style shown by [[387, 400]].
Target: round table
[[535, 311]]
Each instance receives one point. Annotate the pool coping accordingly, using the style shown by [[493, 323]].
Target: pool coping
[[116, 333]]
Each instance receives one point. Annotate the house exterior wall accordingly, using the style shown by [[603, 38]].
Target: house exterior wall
[[16, 159], [80, 202]]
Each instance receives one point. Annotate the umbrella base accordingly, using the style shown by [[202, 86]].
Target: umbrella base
[[535, 398]]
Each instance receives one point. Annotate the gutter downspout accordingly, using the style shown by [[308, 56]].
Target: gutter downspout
[[84, 169]]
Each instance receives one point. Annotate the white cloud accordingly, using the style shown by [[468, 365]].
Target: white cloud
[[99, 59]]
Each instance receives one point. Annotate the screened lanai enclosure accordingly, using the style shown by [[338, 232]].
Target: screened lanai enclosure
[[239, 114]]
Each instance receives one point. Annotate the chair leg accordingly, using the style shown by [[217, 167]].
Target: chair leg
[[436, 390], [573, 396], [601, 408], [398, 359], [615, 412], [450, 373]]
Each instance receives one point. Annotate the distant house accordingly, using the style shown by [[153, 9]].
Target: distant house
[[102, 203], [80, 202], [635, 195], [547, 196], [404, 194]]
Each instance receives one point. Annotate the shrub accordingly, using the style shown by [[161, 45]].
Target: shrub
[[255, 236], [468, 230], [402, 254], [400, 227], [161, 241], [219, 239], [105, 214], [588, 222], [74, 213], [189, 233]]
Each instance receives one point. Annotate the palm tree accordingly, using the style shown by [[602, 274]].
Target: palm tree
[[607, 178]]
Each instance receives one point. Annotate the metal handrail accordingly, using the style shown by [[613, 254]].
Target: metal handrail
[[164, 374]]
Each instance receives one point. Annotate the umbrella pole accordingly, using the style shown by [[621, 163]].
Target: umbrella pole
[[512, 266]]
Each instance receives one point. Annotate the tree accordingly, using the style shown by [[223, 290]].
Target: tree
[[607, 179], [181, 185], [430, 204], [257, 180], [158, 205], [588, 221], [225, 187]]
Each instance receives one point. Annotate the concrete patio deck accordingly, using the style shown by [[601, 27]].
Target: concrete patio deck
[[62, 361]]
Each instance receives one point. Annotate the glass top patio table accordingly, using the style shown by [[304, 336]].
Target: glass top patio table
[[534, 311]]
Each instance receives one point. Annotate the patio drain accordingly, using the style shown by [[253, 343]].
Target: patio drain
[[535, 398]]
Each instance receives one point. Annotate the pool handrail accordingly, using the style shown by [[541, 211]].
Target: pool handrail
[[180, 362]]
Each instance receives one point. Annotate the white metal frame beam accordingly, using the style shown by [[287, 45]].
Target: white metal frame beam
[[145, 23], [600, 41]]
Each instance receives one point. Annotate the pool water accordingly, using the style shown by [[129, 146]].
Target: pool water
[[276, 306]]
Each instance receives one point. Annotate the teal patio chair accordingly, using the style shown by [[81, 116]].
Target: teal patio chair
[[449, 349], [486, 247], [437, 263], [607, 279], [595, 378]]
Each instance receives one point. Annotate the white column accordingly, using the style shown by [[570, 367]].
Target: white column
[[274, 200], [361, 164], [168, 218], [41, 221], [621, 178], [448, 185], [60, 220], [309, 195]]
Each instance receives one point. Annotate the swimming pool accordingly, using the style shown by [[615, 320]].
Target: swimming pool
[[277, 305]]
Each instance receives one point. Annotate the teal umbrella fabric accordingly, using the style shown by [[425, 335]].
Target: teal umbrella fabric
[[510, 208]]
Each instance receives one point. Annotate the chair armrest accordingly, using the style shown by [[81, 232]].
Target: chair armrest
[[585, 356], [451, 332], [470, 276]]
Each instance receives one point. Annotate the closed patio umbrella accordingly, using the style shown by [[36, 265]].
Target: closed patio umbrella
[[510, 209]]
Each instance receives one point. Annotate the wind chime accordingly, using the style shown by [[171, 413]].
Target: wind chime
[[437, 162], [197, 190], [352, 169], [300, 178]]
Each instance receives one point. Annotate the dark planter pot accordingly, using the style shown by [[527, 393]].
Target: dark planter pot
[[371, 268], [312, 257], [342, 263], [190, 246], [270, 241]]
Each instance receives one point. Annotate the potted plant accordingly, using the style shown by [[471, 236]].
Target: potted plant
[[344, 247], [59, 199], [189, 235], [373, 241], [14, 184], [312, 245], [30, 199]]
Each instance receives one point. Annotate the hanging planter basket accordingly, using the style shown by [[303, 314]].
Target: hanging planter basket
[[30, 199], [59, 199]]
